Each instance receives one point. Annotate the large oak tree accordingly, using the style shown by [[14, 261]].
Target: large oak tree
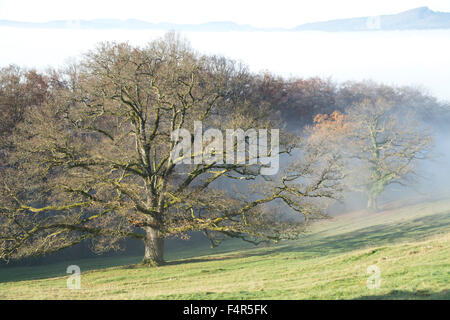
[[94, 160]]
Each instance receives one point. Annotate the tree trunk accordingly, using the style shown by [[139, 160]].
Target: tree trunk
[[154, 247], [372, 203]]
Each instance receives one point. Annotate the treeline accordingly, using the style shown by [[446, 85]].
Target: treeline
[[300, 100], [297, 101]]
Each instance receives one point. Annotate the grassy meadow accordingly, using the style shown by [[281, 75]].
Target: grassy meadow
[[409, 244]]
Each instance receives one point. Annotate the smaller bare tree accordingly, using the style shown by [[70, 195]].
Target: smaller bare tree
[[382, 145]]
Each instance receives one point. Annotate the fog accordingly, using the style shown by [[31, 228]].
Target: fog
[[418, 58]]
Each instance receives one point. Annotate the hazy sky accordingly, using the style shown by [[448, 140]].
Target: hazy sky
[[260, 13]]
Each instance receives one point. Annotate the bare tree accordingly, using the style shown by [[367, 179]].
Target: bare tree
[[382, 145], [95, 161], [19, 89]]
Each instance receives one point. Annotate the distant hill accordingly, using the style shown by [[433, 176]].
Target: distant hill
[[131, 24], [419, 18]]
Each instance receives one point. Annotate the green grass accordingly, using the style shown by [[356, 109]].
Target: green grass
[[410, 245]]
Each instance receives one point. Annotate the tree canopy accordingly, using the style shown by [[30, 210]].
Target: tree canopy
[[93, 161]]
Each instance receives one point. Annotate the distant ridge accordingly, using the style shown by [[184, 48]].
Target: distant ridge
[[421, 18], [130, 24], [416, 19]]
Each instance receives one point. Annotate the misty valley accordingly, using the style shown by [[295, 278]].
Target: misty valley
[[304, 163]]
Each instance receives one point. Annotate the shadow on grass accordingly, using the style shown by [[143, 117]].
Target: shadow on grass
[[227, 256], [378, 235], [58, 269], [409, 295]]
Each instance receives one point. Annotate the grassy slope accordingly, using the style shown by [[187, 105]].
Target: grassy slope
[[410, 245]]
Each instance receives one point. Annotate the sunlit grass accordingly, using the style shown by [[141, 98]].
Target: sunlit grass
[[411, 246]]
